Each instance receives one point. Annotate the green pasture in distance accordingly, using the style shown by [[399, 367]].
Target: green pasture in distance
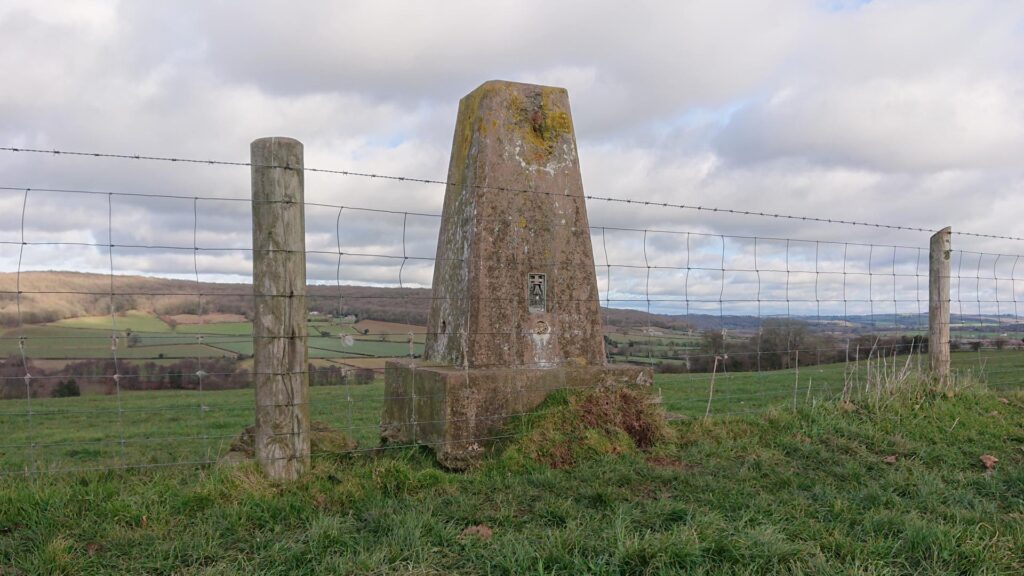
[[163, 427], [314, 329], [160, 340], [136, 321], [180, 351], [393, 338], [50, 341], [332, 347], [237, 345], [988, 335], [228, 328], [642, 359]]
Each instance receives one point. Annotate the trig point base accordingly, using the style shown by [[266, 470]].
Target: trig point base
[[457, 411], [515, 312]]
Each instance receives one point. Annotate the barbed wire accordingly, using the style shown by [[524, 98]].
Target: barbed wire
[[506, 189]]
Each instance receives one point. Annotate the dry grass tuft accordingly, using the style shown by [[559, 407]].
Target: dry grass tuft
[[572, 425], [887, 379], [630, 410]]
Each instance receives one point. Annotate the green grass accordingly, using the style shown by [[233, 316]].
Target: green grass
[[224, 328], [159, 427], [62, 342], [164, 427], [766, 486], [54, 341], [323, 347], [86, 338], [136, 321], [638, 359], [782, 492], [740, 392]]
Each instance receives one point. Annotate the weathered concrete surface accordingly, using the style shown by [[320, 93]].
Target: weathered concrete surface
[[458, 411], [515, 313], [511, 138]]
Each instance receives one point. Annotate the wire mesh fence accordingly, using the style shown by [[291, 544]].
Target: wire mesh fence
[[128, 341]]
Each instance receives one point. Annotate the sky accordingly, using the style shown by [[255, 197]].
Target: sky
[[900, 112]]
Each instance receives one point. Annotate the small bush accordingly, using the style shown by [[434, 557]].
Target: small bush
[[671, 368], [66, 389], [364, 376]]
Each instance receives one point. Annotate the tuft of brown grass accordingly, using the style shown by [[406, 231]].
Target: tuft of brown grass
[[887, 379], [573, 425], [630, 410]]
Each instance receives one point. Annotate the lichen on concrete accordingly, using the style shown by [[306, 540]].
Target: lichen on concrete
[[514, 209]]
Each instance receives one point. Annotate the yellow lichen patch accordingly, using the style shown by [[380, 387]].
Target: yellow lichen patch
[[469, 121], [539, 121]]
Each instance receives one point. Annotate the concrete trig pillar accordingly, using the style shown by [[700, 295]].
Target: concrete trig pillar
[[515, 311]]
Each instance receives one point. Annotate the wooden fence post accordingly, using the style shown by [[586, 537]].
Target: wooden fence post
[[938, 302], [279, 324]]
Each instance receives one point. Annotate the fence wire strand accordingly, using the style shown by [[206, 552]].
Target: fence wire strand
[[732, 325]]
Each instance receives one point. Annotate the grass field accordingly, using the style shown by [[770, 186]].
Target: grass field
[[90, 338], [779, 492], [167, 427], [135, 321], [781, 479], [159, 427]]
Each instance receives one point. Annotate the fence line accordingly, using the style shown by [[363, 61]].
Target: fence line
[[397, 178], [735, 324]]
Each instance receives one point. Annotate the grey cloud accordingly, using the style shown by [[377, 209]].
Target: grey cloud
[[866, 114]]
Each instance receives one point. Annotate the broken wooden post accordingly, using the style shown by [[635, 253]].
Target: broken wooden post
[[938, 303], [279, 324]]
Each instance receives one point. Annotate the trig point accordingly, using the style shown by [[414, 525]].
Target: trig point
[[515, 311]]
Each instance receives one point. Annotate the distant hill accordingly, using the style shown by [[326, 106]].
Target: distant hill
[[52, 296]]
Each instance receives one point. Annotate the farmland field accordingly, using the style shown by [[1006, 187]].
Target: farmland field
[[136, 321], [143, 336], [160, 427], [166, 427], [819, 490], [222, 328]]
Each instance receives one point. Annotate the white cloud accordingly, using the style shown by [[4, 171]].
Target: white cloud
[[899, 112]]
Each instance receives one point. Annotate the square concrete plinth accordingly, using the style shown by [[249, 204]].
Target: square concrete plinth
[[456, 411]]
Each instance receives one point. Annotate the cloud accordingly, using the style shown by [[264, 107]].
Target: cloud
[[949, 122], [907, 113]]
